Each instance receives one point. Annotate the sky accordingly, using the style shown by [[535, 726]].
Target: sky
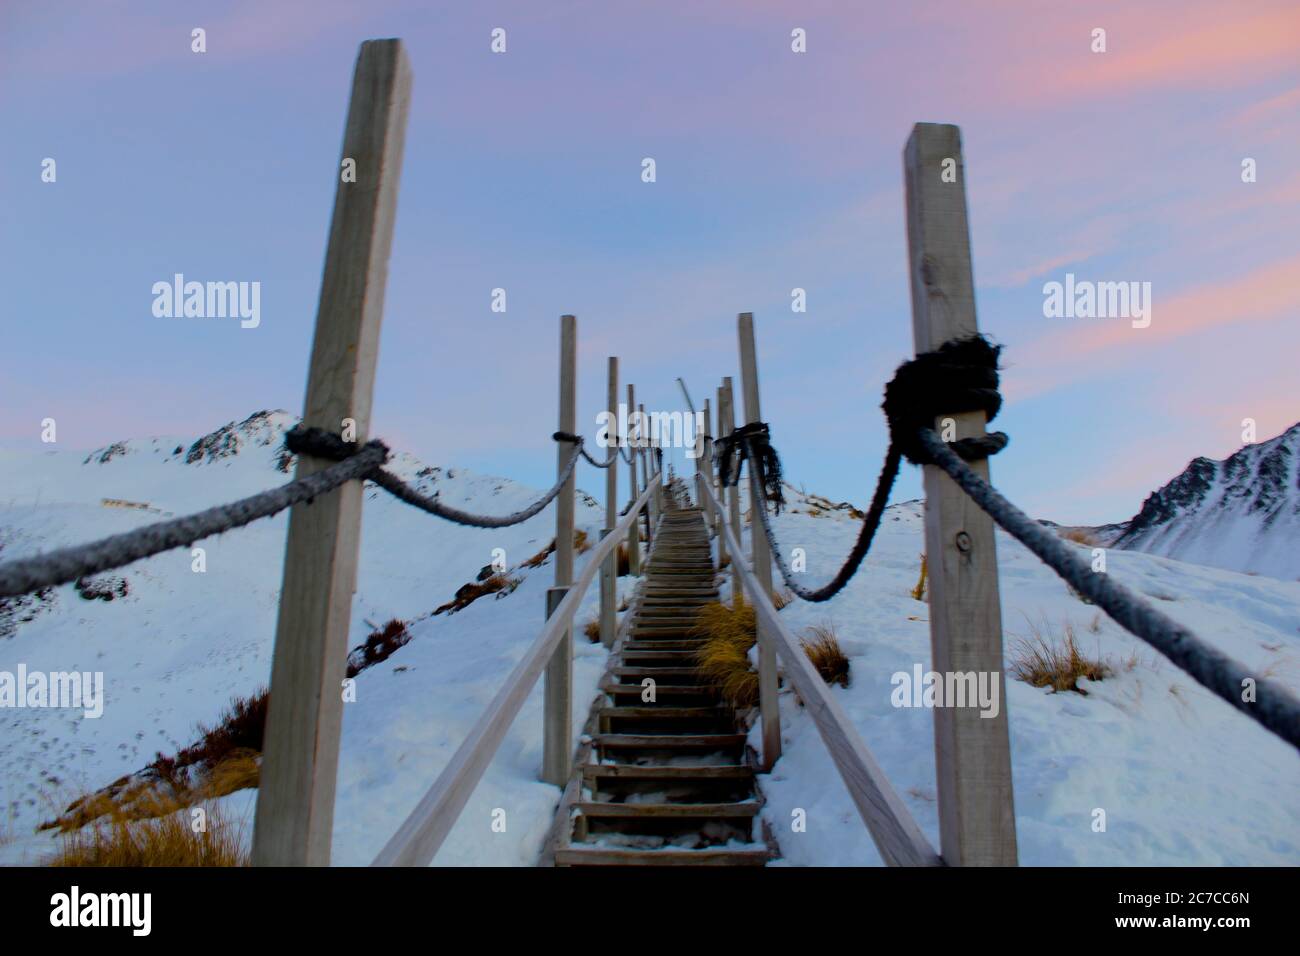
[[775, 170]]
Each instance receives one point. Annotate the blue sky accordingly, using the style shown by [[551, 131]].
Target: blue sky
[[775, 170]]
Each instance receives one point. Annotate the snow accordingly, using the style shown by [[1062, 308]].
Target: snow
[[1183, 778], [1241, 514], [181, 644]]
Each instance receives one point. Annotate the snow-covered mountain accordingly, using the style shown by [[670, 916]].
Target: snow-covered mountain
[[178, 644], [1242, 513]]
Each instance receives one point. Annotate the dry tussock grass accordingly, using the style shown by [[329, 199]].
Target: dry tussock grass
[[728, 633], [823, 649], [467, 594], [1078, 536], [224, 760], [166, 841], [1046, 660]]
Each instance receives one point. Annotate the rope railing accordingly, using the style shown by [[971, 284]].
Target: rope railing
[[962, 376], [892, 828], [353, 462], [1271, 705], [418, 839]]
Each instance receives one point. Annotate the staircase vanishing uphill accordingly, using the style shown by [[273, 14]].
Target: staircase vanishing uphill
[[664, 782]]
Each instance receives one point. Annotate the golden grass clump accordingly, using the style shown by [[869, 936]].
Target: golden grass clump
[[467, 594], [781, 599], [823, 649], [728, 632], [918, 592], [224, 759], [1078, 536], [1046, 661], [165, 841], [592, 630], [581, 542], [537, 560]]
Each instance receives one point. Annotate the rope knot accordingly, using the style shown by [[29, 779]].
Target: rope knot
[[318, 443], [959, 376], [751, 442]]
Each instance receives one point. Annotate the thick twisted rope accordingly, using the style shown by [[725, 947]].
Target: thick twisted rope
[[68, 564], [1274, 706], [323, 444], [960, 376], [353, 462], [867, 533], [578, 440]]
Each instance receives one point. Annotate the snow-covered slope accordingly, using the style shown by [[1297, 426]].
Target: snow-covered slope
[[180, 643], [1183, 778], [1242, 513]]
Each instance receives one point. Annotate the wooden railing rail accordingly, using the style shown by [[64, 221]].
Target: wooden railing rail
[[896, 834], [418, 838]]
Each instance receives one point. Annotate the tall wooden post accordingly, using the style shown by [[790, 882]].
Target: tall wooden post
[[609, 573], [647, 472], [767, 685], [557, 734], [722, 492], [704, 470], [634, 531], [295, 802], [976, 811], [728, 405]]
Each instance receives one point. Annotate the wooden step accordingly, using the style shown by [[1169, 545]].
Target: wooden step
[[665, 712], [669, 741], [679, 694], [620, 771], [688, 649], [657, 656], [679, 675], [689, 810], [579, 854]]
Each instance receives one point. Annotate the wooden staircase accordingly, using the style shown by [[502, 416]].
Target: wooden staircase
[[663, 781]]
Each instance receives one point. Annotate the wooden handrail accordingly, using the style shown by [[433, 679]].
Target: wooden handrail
[[418, 838], [896, 835]]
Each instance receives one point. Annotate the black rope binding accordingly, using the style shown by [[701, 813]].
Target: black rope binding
[[582, 450], [750, 443], [959, 377]]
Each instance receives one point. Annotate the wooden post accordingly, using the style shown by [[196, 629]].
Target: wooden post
[[609, 573], [634, 533], [706, 467], [704, 470], [976, 812], [728, 403], [722, 492], [647, 462], [767, 686], [647, 472], [295, 802], [557, 708]]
